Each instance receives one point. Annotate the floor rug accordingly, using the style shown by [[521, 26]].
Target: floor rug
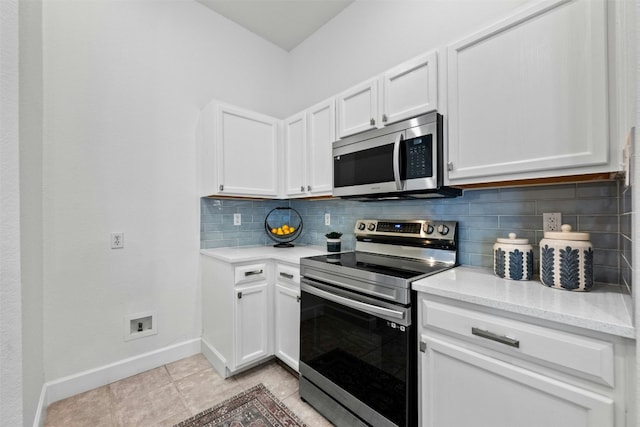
[[255, 407]]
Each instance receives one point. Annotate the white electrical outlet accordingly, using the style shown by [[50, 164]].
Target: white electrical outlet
[[237, 219], [327, 219], [117, 240], [551, 221]]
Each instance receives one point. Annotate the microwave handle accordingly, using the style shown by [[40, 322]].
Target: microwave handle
[[396, 161]]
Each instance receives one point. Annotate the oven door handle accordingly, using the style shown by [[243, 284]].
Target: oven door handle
[[361, 306], [396, 161]]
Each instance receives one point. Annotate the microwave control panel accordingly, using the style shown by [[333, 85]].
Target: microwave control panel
[[418, 152]]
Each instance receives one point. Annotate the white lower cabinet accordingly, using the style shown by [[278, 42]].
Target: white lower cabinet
[[252, 323], [248, 315], [287, 319], [463, 387], [237, 314], [287, 315], [481, 368]]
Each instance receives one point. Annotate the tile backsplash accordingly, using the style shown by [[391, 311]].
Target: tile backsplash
[[602, 209]]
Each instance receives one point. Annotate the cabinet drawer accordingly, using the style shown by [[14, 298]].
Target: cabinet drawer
[[288, 274], [589, 356], [250, 273]]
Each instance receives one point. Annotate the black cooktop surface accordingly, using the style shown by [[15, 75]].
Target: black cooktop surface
[[388, 265]]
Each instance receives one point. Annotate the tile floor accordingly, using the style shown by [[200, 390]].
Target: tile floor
[[171, 393]]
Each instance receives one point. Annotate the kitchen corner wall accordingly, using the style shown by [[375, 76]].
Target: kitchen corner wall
[[601, 208]]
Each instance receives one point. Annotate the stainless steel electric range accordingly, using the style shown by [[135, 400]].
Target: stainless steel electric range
[[358, 332]]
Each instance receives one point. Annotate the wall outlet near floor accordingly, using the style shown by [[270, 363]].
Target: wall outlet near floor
[[237, 219], [140, 325], [551, 221], [327, 219]]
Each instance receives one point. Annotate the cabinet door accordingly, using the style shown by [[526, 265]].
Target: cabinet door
[[410, 89], [528, 96], [247, 152], [358, 108], [287, 317], [294, 155], [462, 387], [321, 134], [251, 323]]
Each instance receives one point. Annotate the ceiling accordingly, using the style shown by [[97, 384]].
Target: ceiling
[[286, 23]]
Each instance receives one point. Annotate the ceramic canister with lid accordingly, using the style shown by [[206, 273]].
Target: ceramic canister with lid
[[566, 260], [513, 258]]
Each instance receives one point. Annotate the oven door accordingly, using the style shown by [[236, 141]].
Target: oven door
[[360, 351]]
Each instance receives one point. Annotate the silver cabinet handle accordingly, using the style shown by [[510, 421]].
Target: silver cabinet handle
[[449, 166], [298, 298], [302, 188], [252, 273], [372, 121], [286, 275], [308, 188], [239, 295], [221, 187], [384, 118], [495, 337]]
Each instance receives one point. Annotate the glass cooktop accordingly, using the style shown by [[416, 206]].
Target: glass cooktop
[[387, 265]]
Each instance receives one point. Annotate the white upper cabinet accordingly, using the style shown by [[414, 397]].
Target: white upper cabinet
[[294, 155], [528, 96], [358, 108], [321, 134], [410, 89], [307, 151], [405, 91], [238, 152]]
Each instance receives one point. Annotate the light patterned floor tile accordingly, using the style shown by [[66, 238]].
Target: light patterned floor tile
[[137, 385], [188, 366], [92, 408], [167, 395], [205, 389]]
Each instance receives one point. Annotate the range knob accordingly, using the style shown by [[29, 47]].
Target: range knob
[[443, 229], [428, 228], [361, 226], [371, 226]]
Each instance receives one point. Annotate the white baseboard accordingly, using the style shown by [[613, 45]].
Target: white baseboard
[[84, 381], [215, 358]]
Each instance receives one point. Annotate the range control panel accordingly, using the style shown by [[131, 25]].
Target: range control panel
[[424, 229]]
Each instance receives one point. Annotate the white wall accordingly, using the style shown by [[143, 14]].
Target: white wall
[[31, 204], [369, 37], [124, 82], [123, 86], [11, 413]]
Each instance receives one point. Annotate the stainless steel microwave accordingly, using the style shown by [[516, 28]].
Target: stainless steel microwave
[[400, 160]]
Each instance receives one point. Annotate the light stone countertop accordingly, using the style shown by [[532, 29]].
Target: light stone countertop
[[604, 309], [256, 253]]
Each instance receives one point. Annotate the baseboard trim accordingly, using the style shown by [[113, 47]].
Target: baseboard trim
[[216, 359], [83, 381]]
